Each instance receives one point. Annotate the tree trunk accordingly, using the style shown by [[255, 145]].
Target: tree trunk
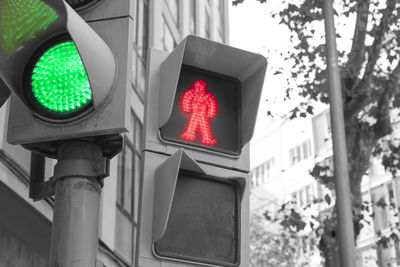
[[328, 244], [360, 141]]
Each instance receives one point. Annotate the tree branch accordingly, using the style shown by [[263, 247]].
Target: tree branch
[[357, 53], [362, 90], [373, 56], [382, 126]]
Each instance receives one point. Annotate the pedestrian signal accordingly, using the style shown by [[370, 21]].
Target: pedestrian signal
[[200, 112], [205, 112]]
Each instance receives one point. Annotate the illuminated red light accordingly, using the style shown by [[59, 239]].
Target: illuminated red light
[[202, 106]]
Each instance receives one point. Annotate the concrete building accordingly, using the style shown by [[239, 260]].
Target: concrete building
[[25, 226], [281, 157]]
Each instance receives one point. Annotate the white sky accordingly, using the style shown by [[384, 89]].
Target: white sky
[[252, 28]]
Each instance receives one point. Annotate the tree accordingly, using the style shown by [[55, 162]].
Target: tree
[[270, 248], [370, 76], [275, 237]]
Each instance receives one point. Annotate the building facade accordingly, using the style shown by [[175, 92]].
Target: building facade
[[25, 226], [282, 157]]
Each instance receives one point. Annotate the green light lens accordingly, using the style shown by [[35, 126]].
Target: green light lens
[[59, 81]]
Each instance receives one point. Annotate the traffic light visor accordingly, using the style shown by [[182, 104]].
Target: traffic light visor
[[231, 76], [203, 224]]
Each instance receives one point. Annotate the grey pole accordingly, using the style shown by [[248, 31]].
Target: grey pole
[[74, 236], [343, 197]]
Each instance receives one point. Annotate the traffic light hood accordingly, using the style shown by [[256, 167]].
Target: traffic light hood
[[199, 53], [87, 91], [165, 181]]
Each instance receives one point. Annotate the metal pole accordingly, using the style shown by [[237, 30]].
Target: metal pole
[[343, 197], [74, 236]]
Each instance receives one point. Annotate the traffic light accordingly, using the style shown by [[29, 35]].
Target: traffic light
[[201, 105], [69, 76], [194, 119]]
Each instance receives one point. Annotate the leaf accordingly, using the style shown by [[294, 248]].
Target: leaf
[[310, 110], [267, 216], [236, 2], [394, 237], [328, 199], [384, 241], [381, 203]]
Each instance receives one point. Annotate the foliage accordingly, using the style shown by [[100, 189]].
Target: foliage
[[369, 62], [275, 236], [270, 248], [290, 224]]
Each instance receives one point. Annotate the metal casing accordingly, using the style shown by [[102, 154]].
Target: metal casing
[[106, 9], [4, 92], [104, 46], [165, 159], [157, 192], [164, 70]]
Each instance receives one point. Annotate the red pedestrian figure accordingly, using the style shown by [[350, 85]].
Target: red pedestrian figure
[[202, 106]]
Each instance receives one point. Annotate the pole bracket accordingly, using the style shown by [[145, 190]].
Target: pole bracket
[[97, 167]]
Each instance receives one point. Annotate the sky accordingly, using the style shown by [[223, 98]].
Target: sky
[[252, 28]]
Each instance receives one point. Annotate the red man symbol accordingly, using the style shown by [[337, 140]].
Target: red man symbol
[[202, 106]]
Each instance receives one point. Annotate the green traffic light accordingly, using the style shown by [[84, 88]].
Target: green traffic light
[[59, 82]]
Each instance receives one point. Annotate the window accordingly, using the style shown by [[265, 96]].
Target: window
[[270, 168], [300, 152], [397, 251], [309, 194], [257, 176], [168, 39], [380, 206], [263, 172], [139, 55], [128, 185], [319, 191], [220, 21], [192, 8], [322, 132], [126, 197], [302, 200], [252, 178], [137, 159], [304, 196], [207, 26], [173, 7], [294, 197], [124, 189], [142, 27], [396, 183]]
